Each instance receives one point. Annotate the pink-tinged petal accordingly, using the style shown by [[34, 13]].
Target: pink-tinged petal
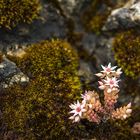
[[99, 74], [100, 83], [73, 111], [118, 81], [129, 105], [111, 86], [82, 96], [106, 81], [113, 67], [109, 65], [80, 114], [77, 119], [86, 92], [114, 78], [102, 87], [118, 71], [71, 118], [103, 67], [72, 106], [116, 85], [83, 102], [78, 104], [84, 110]]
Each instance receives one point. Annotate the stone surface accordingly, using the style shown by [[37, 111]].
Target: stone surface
[[50, 25], [124, 17], [103, 52], [71, 6], [86, 72], [10, 73], [89, 42]]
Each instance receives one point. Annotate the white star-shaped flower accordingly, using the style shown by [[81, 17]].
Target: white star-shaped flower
[[77, 110], [111, 82], [108, 69]]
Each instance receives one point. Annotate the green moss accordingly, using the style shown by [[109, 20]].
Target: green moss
[[127, 52], [93, 18], [49, 56], [13, 12], [41, 107], [97, 22]]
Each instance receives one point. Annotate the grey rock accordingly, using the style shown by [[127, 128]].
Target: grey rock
[[86, 72], [50, 25], [125, 17], [10, 74], [89, 43], [71, 6], [103, 52]]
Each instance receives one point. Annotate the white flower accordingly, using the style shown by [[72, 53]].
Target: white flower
[[86, 96], [77, 110], [107, 70], [111, 82]]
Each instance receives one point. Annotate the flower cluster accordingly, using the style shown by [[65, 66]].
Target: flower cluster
[[92, 109]]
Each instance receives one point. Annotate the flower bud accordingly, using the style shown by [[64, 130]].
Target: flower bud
[[102, 87], [129, 105], [128, 111], [99, 74]]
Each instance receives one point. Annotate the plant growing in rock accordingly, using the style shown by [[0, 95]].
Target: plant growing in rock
[[13, 12], [126, 48], [91, 107]]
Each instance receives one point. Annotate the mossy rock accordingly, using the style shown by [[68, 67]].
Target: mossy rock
[[126, 48], [97, 22], [13, 12], [41, 108], [93, 18]]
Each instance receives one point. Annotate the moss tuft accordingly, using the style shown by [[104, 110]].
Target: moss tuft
[[40, 109], [93, 18], [97, 22], [13, 12], [127, 52]]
